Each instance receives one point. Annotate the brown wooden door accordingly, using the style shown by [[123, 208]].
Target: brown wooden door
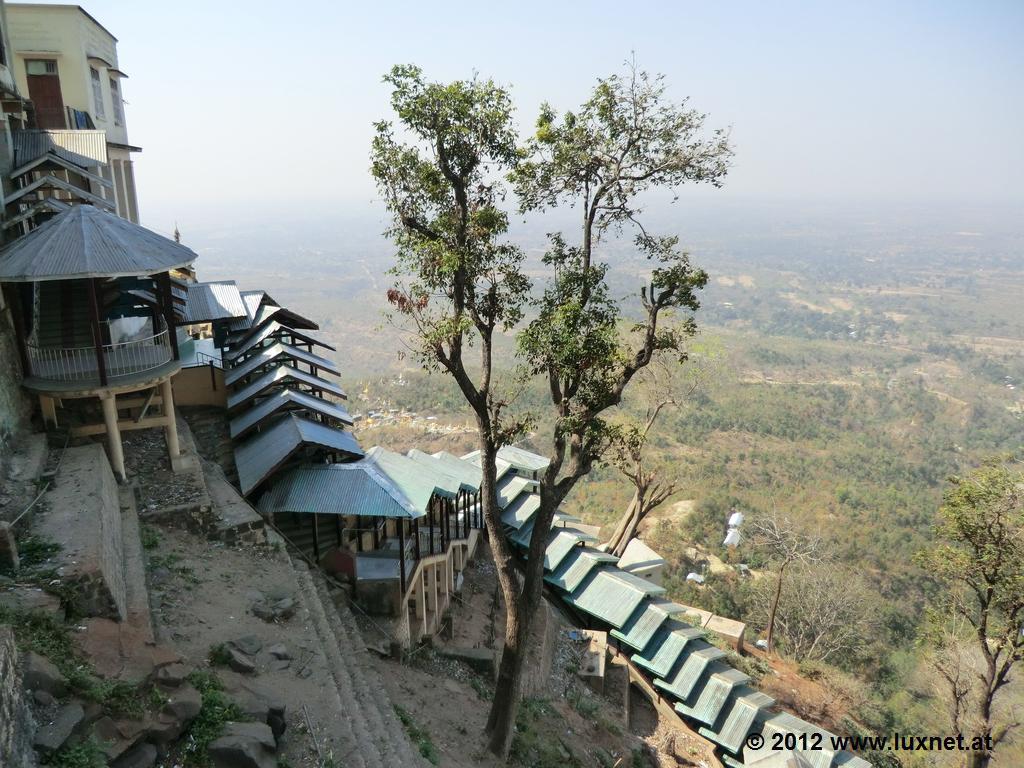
[[44, 91]]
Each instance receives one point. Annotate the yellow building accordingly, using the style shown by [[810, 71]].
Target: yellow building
[[65, 63]]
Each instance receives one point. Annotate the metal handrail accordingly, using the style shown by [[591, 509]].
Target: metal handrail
[[122, 358]]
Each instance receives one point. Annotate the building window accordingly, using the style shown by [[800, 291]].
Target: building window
[[115, 97], [41, 67], [97, 92]]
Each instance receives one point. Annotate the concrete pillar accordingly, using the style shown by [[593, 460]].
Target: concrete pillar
[[171, 430], [48, 406], [109, 403], [419, 594], [8, 548]]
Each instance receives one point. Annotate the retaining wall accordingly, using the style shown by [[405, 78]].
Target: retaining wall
[[16, 726]]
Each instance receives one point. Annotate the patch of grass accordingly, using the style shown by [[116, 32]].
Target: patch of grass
[[217, 711], [219, 655], [171, 561], [582, 703], [149, 537], [419, 736], [483, 690], [33, 551], [86, 754], [537, 746]]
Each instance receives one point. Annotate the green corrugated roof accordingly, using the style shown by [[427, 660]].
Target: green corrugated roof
[[452, 478], [467, 473], [575, 568], [612, 595], [520, 511], [746, 705], [413, 479], [784, 722], [645, 621], [358, 488], [709, 699], [560, 544], [510, 486], [666, 646], [698, 655]]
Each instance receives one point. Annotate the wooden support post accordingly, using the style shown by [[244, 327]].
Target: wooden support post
[[416, 533], [109, 402], [171, 430], [167, 305], [430, 522], [97, 332], [316, 538], [48, 406], [337, 530], [401, 553]]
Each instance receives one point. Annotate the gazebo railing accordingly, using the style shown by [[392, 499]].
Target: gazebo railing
[[82, 364]]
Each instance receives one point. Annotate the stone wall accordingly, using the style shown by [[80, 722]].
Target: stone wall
[[15, 406], [84, 518], [16, 725]]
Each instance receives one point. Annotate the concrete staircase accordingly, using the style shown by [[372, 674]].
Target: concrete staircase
[[213, 441], [371, 730]]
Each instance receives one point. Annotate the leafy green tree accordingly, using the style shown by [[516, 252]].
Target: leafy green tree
[[976, 624], [458, 284]]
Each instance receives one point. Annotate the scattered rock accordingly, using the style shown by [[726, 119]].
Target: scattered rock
[[244, 745], [250, 645], [261, 706], [172, 675], [40, 675], [280, 665], [44, 699], [164, 729], [108, 736], [279, 651], [52, 737], [184, 704], [270, 609], [239, 662], [32, 600], [142, 756]]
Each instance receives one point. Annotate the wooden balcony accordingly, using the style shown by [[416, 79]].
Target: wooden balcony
[[126, 362]]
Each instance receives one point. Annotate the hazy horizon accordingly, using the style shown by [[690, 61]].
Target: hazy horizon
[[245, 115]]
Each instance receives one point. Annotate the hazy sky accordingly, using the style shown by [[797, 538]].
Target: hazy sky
[[246, 109]]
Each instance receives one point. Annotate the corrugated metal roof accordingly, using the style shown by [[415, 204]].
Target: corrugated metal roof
[[560, 544], [523, 459], [638, 555], [667, 645], [263, 313], [503, 467], [260, 456], [646, 621], [707, 700], [206, 302], [510, 486], [271, 353], [283, 373], [452, 479], [417, 482], [357, 488], [520, 511], [87, 242], [251, 299], [575, 568], [286, 399], [742, 712], [470, 476], [85, 148], [846, 760], [610, 596], [784, 722], [698, 655], [273, 328]]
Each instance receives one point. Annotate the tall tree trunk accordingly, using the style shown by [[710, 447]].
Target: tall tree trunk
[[613, 542], [770, 640]]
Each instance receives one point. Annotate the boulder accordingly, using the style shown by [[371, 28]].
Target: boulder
[[184, 704], [250, 645], [38, 674], [239, 662], [171, 675], [271, 609], [52, 737], [142, 756], [280, 651], [44, 699], [244, 745], [261, 706], [164, 728]]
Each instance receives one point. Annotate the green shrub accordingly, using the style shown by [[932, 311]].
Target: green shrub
[[419, 737]]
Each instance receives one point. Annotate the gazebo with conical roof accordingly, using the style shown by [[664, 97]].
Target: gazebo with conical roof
[[96, 307]]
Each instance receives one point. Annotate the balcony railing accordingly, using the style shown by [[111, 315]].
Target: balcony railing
[[81, 365]]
